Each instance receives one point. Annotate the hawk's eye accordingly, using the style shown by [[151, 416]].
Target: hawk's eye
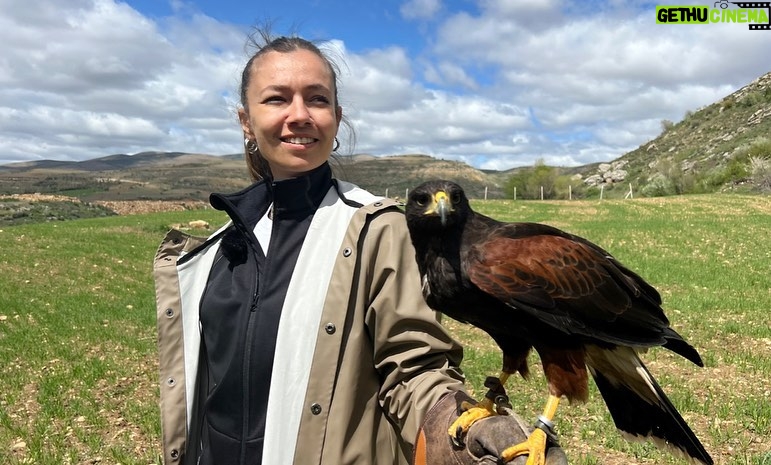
[[422, 199], [455, 198]]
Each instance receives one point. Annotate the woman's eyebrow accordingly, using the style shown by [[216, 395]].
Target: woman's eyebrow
[[283, 88]]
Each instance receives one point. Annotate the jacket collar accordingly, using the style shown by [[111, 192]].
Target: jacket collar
[[301, 195], [291, 197]]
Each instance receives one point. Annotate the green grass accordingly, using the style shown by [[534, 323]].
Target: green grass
[[77, 339], [78, 365], [710, 258]]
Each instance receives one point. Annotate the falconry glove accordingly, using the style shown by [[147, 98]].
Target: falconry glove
[[484, 442]]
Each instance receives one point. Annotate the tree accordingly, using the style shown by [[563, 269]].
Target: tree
[[528, 182]]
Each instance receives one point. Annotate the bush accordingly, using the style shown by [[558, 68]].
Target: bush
[[658, 186], [760, 148], [760, 170]]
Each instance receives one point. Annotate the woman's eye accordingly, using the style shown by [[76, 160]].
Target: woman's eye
[[273, 99], [320, 99]]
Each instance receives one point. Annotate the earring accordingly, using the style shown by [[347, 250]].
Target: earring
[[251, 146], [337, 145]]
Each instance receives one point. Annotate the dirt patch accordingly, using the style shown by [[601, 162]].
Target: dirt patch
[[40, 198], [125, 207], [137, 207]]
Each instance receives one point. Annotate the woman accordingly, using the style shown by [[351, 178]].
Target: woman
[[297, 333]]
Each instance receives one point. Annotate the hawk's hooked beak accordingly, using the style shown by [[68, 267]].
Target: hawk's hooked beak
[[442, 206]]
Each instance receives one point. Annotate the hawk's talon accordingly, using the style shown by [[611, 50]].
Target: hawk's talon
[[534, 447], [457, 438], [471, 414]]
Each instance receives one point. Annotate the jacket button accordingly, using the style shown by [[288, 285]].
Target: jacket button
[[169, 312], [315, 409], [171, 382], [174, 454], [347, 252], [378, 204], [330, 328]]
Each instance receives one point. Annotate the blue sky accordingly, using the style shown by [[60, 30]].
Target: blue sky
[[494, 83], [361, 24]]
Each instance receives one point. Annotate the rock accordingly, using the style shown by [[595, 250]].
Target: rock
[[594, 180], [199, 224], [616, 175]]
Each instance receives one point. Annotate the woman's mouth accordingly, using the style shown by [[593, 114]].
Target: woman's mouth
[[298, 140]]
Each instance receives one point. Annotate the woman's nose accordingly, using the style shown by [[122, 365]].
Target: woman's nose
[[298, 111]]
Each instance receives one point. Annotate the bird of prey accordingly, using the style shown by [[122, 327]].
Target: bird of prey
[[532, 286]]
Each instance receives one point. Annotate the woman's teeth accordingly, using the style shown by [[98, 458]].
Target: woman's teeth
[[299, 140]]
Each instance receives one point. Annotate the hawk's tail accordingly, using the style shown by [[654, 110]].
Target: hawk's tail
[[639, 406]]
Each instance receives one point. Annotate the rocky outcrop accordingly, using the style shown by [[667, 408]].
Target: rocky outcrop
[[608, 173]]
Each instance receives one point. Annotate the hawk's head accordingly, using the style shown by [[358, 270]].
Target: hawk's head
[[436, 205]]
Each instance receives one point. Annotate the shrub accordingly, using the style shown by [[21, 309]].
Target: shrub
[[658, 186], [760, 170]]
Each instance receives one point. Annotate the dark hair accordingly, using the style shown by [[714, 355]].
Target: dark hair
[[264, 42]]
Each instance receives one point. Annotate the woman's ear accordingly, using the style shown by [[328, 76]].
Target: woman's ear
[[243, 118], [339, 114]]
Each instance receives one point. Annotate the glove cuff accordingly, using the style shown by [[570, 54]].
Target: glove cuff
[[433, 441]]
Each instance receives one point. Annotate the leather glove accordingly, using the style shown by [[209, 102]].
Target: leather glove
[[484, 442]]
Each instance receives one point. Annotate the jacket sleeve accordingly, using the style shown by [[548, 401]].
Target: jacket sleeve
[[416, 358]]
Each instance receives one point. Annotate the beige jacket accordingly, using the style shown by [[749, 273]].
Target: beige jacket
[[381, 358]]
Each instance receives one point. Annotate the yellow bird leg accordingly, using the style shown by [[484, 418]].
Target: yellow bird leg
[[535, 445], [473, 413]]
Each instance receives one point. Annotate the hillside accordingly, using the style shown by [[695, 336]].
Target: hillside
[[144, 176], [723, 146], [397, 174], [180, 176]]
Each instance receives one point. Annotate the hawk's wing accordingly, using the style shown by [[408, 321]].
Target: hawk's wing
[[566, 282]]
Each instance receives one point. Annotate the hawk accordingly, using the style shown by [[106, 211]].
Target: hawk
[[532, 286]]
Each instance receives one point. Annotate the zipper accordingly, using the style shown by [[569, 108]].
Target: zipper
[[245, 369]]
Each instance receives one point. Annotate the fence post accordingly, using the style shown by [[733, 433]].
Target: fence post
[[570, 192], [541, 192], [602, 189], [485, 192]]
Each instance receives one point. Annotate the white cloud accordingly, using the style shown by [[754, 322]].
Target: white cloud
[[89, 78], [598, 73], [420, 9]]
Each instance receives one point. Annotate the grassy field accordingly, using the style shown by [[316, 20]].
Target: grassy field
[[78, 363]]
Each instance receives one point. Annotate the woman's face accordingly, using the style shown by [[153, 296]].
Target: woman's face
[[291, 111]]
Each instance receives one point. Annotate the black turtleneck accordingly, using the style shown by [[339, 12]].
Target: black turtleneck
[[241, 308]]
